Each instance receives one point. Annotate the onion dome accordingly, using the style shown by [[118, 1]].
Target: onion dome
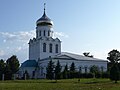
[[44, 20]]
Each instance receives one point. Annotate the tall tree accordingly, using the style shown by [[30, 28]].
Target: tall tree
[[8, 72], [57, 70], [114, 58], [72, 67], [2, 68], [50, 70], [65, 72], [114, 73], [13, 63], [72, 70], [66, 68]]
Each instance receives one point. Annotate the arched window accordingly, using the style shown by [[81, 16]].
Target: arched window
[[56, 48], [44, 47], [50, 48], [85, 69], [40, 33], [48, 33], [44, 32], [80, 69]]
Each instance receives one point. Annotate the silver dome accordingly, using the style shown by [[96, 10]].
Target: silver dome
[[44, 20]]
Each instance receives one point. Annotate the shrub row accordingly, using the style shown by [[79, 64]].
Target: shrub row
[[84, 75]]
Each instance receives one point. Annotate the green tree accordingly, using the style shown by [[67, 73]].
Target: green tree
[[13, 63], [8, 72], [66, 68], [114, 73], [72, 70], [2, 68], [57, 70], [94, 70], [50, 70], [114, 58], [72, 67], [65, 72]]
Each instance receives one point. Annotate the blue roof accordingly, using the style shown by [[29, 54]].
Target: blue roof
[[29, 63]]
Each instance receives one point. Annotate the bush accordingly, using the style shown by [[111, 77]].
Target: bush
[[73, 74], [98, 75], [105, 75]]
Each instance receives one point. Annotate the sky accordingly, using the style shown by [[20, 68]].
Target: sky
[[82, 25]]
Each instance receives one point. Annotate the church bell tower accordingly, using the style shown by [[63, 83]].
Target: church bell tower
[[44, 45]]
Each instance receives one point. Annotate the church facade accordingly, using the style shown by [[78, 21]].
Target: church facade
[[44, 47]]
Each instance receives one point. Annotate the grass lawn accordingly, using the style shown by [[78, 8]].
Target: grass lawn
[[69, 84]]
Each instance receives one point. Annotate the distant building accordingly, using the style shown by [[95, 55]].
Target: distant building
[[44, 47]]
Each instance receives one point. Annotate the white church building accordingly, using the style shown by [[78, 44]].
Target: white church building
[[44, 47]]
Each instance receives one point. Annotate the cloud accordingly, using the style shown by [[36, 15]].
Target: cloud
[[24, 36], [16, 43], [21, 36], [2, 53], [60, 34], [18, 48]]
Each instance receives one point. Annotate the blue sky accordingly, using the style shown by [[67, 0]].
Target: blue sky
[[82, 25]]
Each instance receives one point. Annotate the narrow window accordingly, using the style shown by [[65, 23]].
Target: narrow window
[[40, 33], [85, 69], [48, 33], [50, 48], [44, 47], [56, 48], [80, 70], [44, 32], [37, 33]]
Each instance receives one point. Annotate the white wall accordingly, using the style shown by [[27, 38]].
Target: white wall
[[28, 69], [36, 44], [78, 64]]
